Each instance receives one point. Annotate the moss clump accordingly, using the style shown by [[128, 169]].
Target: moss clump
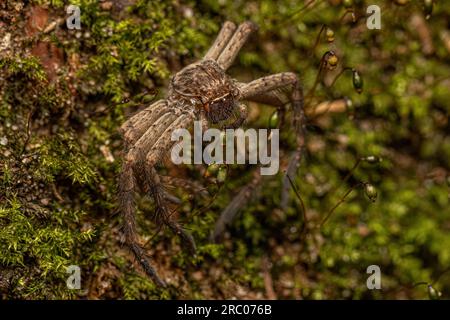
[[47, 242]]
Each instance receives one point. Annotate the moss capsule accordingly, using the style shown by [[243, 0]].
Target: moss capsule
[[222, 174], [348, 3], [212, 170], [330, 35], [370, 192], [428, 8], [330, 59], [274, 120], [372, 159], [433, 294], [333, 61], [357, 81]]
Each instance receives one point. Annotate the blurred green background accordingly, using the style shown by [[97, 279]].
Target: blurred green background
[[64, 93]]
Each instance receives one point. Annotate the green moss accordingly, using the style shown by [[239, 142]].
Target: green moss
[[61, 155], [49, 246]]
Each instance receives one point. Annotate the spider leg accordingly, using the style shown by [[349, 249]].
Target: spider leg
[[299, 122], [232, 209], [144, 144], [221, 41], [154, 156], [191, 185], [137, 125], [230, 52], [264, 87], [143, 113], [145, 188], [276, 98], [268, 84], [271, 98], [170, 197], [163, 212], [151, 136], [164, 141], [127, 186]]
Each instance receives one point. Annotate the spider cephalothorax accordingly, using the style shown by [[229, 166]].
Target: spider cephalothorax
[[201, 91], [213, 91]]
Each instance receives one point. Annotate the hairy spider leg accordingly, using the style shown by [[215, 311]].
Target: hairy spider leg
[[127, 187], [136, 126], [264, 86], [229, 53], [159, 148], [221, 41]]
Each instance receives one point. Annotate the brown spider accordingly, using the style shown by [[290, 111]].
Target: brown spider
[[201, 91]]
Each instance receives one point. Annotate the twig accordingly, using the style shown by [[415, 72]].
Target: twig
[[57, 194], [27, 139], [268, 283], [305, 220]]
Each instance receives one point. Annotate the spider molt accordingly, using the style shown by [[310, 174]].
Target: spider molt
[[200, 91]]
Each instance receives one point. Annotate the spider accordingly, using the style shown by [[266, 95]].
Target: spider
[[200, 91]]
